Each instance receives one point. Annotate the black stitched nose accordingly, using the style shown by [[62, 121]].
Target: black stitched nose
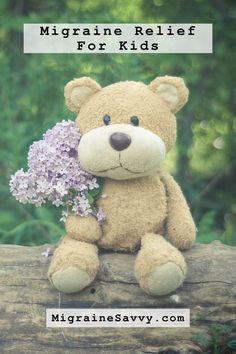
[[120, 141]]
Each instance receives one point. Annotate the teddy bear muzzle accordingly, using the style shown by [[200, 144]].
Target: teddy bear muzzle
[[121, 151]]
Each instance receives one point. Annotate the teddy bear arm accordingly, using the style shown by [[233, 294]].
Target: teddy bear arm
[[84, 229], [180, 227]]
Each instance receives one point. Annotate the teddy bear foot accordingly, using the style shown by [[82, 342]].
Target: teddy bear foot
[[70, 280], [159, 267], [74, 265], [164, 279]]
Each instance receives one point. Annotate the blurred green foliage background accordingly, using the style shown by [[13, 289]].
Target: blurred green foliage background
[[31, 97]]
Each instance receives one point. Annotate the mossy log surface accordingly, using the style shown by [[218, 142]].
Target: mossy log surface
[[209, 291]]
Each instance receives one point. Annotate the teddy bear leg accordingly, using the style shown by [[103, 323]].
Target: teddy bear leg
[[159, 267], [74, 265]]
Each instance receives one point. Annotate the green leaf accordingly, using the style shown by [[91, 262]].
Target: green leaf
[[201, 339], [232, 344], [89, 197], [227, 328]]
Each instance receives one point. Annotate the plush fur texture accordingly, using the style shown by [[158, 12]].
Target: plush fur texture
[[172, 90], [83, 229], [143, 204]]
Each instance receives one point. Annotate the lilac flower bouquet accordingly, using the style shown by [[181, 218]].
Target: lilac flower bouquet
[[55, 175]]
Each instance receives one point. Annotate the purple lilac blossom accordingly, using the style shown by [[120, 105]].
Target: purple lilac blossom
[[100, 216], [55, 174]]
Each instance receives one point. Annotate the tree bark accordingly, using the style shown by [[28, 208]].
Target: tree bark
[[209, 291]]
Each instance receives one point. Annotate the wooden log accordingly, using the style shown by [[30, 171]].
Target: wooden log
[[209, 291]]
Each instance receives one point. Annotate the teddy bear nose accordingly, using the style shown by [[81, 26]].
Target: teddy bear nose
[[120, 141]]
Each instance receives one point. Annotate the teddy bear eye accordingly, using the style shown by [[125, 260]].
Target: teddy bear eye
[[134, 121], [106, 119]]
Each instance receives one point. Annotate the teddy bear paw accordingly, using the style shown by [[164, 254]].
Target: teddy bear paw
[[70, 280], [164, 279]]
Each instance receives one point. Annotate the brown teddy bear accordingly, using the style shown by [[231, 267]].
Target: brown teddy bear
[[127, 129]]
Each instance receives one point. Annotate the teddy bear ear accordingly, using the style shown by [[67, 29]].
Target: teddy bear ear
[[78, 91], [172, 90]]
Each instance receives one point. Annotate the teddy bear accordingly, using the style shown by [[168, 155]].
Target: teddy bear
[[127, 129]]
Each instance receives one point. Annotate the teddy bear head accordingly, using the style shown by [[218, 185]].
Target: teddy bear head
[[127, 127]]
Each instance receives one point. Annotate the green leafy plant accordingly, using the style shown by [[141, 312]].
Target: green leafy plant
[[219, 340]]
